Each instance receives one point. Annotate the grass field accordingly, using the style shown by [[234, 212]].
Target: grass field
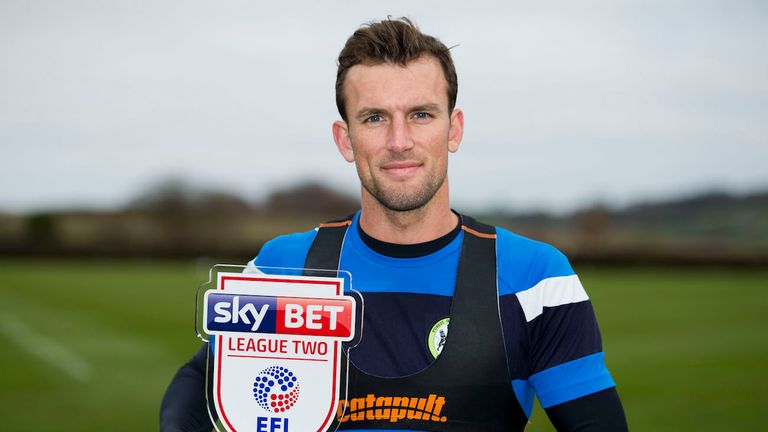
[[91, 345]]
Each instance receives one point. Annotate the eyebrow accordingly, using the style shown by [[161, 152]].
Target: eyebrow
[[432, 107], [369, 111]]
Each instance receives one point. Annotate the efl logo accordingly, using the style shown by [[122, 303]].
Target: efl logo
[[276, 389], [278, 315]]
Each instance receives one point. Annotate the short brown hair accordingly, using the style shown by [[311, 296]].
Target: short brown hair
[[396, 41]]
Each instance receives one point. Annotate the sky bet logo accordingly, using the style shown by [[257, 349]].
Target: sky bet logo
[[278, 315]]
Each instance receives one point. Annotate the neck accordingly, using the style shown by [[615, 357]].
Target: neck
[[431, 221]]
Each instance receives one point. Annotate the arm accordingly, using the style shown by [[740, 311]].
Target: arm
[[598, 412], [184, 406], [553, 322]]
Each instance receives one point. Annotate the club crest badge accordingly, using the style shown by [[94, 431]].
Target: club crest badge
[[276, 343], [437, 336]]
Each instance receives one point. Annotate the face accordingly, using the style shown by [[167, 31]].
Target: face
[[399, 132]]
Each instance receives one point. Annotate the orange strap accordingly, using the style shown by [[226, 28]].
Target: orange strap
[[336, 224], [478, 233]]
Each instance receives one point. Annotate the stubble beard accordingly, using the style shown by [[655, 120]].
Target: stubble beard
[[400, 198]]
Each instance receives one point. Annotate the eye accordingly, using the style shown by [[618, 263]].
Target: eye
[[373, 119], [421, 115]]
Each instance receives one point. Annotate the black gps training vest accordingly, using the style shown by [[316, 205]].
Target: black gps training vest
[[468, 386]]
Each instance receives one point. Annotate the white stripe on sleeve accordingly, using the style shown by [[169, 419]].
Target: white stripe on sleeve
[[551, 292]]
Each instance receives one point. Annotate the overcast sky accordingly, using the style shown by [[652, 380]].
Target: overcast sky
[[566, 103]]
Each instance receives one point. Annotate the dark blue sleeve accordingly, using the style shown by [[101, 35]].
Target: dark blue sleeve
[[184, 406], [598, 412]]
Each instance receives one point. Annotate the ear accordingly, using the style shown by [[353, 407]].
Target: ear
[[343, 143], [456, 131]]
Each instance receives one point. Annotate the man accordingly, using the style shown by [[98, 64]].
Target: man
[[478, 316]]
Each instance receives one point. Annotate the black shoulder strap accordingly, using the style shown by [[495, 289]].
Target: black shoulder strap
[[326, 248], [477, 264], [476, 290], [476, 294]]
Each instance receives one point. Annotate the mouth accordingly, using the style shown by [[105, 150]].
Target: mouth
[[401, 168]]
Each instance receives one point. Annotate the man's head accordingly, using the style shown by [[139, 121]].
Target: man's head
[[399, 119], [396, 41]]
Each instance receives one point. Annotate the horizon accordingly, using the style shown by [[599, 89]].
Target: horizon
[[196, 191]]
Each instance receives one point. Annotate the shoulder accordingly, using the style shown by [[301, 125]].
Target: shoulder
[[537, 274], [523, 263], [288, 250]]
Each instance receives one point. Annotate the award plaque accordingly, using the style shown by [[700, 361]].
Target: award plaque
[[276, 338]]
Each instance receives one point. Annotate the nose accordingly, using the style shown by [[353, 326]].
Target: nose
[[400, 138]]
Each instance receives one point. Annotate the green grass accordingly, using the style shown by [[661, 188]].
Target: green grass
[[688, 347], [130, 322]]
